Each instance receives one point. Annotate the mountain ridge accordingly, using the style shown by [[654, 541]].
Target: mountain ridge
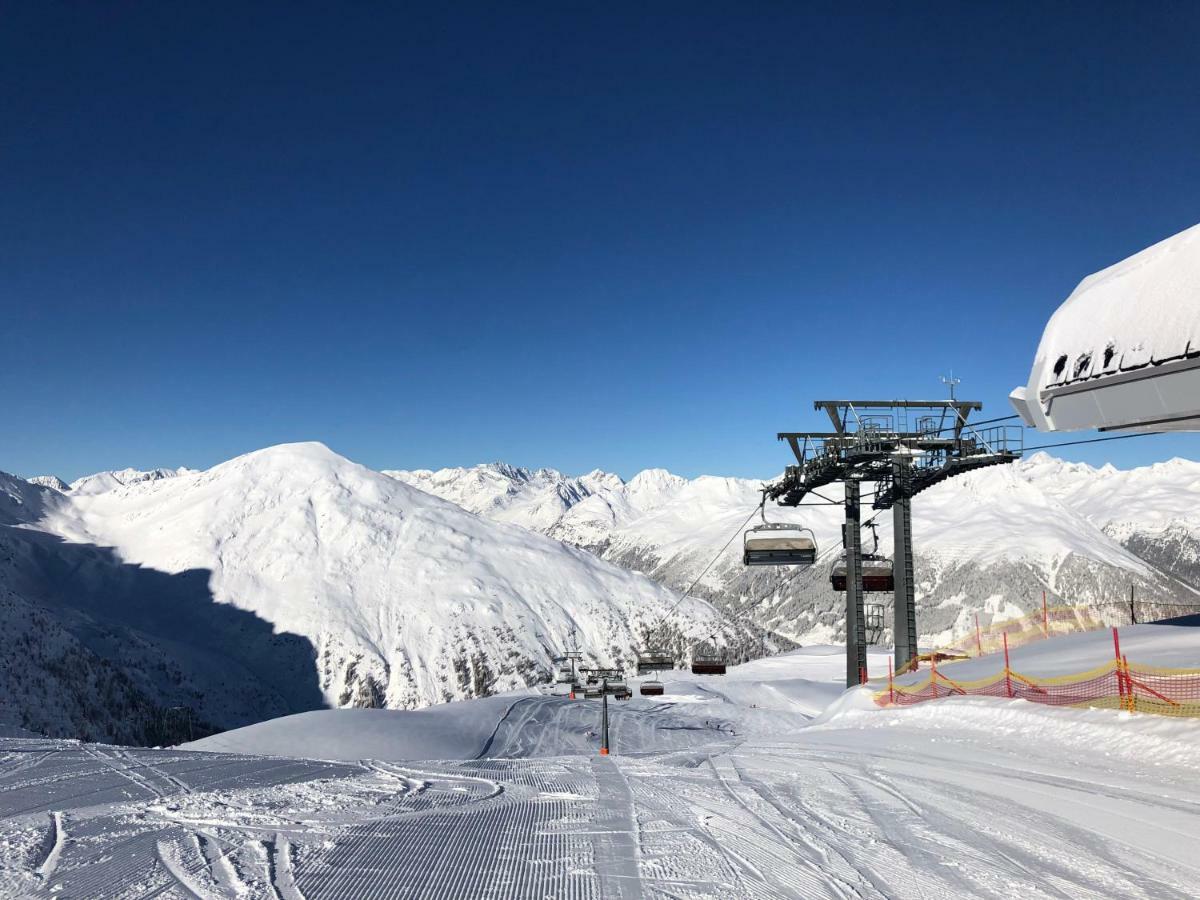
[[402, 599]]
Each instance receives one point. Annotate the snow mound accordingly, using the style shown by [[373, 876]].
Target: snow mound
[[454, 731]]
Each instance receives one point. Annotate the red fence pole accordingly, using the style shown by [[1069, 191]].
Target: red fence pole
[[1045, 617], [933, 672], [1120, 673], [1007, 675], [891, 691], [1133, 697], [978, 642]]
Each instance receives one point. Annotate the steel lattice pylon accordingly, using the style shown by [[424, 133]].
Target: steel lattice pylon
[[903, 447]]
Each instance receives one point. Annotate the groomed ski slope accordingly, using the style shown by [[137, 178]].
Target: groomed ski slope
[[770, 782]]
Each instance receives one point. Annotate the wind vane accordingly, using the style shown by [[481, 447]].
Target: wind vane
[[951, 382]]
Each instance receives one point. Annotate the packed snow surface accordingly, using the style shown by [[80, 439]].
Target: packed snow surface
[[769, 782]]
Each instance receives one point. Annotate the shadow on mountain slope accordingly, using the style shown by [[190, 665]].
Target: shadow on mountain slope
[[106, 650]]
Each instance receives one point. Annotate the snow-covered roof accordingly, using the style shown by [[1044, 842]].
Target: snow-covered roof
[[1132, 317]]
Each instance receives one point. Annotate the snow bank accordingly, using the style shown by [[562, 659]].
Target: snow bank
[[1167, 646], [1143, 740], [451, 731]]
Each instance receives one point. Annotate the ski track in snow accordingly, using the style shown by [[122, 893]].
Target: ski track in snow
[[737, 818], [706, 796]]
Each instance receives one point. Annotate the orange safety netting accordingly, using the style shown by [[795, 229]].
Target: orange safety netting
[[1050, 621], [1118, 684]]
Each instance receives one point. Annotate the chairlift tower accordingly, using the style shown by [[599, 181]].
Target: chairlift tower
[[903, 447]]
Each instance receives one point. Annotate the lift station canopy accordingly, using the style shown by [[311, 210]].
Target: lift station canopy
[[1123, 351]]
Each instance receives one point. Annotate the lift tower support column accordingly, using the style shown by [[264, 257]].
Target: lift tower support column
[[856, 624], [869, 438], [904, 615]]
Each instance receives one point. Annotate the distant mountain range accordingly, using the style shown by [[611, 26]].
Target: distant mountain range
[[289, 579], [143, 606], [989, 542]]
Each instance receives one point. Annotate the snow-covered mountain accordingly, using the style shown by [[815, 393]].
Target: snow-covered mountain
[[107, 481], [987, 542], [292, 577], [50, 481]]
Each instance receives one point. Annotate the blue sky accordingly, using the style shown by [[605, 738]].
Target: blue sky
[[574, 235]]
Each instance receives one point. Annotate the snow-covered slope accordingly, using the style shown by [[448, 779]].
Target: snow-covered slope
[[724, 787], [403, 599], [990, 541], [1152, 511]]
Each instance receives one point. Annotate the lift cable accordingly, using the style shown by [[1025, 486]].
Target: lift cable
[[692, 586], [1117, 437], [712, 562], [731, 619]]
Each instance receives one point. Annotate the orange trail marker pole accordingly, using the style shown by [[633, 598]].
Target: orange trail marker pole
[[604, 720], [933, 672], [1007, 670], [978, 642], [891, 690]]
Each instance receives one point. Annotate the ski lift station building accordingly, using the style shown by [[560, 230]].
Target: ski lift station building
[[1123, 351]]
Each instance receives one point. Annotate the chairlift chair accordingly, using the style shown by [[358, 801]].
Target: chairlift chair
[[873, 616], [651, 689], [876, 569], [876, 574], [778, 543], [563, 675], [708, 664], [654, 661], [616, 686]]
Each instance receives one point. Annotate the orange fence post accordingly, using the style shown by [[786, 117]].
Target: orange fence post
[[891, 690], [1007, 671], [978, 640], [933, 672]]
